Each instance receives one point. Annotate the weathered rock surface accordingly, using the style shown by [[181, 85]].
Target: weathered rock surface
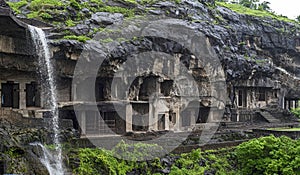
[[252, 50], [248, 47], [16, 134]]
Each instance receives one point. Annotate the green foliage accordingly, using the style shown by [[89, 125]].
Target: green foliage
[[96, 161], [252, 4], [14, 152], [129, 1], [115, 9], [51, 147], [75, 4], [70, 23], [198, 162], [107, 40], [45, 15], [188, 163], [264, 6], [296, 112], [285, 129], [78, 38], [17, 5], [147, 2], [137, 152], [298, 18], [262, 156], [248, 11], [269, 155], [36, 5], [122, 159]]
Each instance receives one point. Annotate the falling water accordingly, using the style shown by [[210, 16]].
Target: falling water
[[48, 159], [47, 79], [287, 73]]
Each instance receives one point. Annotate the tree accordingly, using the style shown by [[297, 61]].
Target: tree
[[269, 155], [252, 4], [298, 18], [264, 6]]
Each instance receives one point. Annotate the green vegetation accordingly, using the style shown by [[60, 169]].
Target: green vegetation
[[70, 23], [36, 5], [80, 38], [266, 155], [14, 152], [100, 161], [146, 2], [298, 18], [17, 5], [137, 152], [296, 112], [198, 162], [269, 155], [107, 40], [285, 129], [38, 8], [253, 12], [115, 9]]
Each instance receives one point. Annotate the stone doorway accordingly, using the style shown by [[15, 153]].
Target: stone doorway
[[10, 92], [203, 115], [161, 122], [32, 95], [242, 98]]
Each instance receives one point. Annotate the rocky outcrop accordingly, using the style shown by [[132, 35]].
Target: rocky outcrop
[[15, 150], [249, 48], [3, 4]]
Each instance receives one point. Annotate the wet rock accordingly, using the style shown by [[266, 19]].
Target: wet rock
[[3, 4], [166, 170], [80, 29], [105, 18]]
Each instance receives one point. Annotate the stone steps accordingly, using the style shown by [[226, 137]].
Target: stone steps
[[269, 117]]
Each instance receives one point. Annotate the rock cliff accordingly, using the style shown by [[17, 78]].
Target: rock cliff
[[253, 51], [250, 48]]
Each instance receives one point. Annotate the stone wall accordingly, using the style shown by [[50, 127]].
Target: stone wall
[[266, 132]]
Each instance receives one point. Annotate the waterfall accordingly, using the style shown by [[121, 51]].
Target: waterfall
[[49, 95], [287, 73], [48, 159]]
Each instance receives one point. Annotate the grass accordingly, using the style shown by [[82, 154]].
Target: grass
[[78, 38], [259, 13], [284, 129], [40, 4], [114, 9], [146, 2], [17, 5]]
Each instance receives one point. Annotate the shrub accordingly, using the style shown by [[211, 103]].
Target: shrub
[[96, 161], [259, 13], [70, 23], [40, 4], [17, 5], [119, 161], [296, 112], [78, 38], [269, 155], [116, 9], [138, 151]]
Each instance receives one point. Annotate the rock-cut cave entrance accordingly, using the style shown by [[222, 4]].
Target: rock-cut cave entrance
[[10, 94], [32, 95]]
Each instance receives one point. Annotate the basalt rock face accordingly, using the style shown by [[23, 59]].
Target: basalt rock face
[[258, 51], [250, 49], [16, 135]]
